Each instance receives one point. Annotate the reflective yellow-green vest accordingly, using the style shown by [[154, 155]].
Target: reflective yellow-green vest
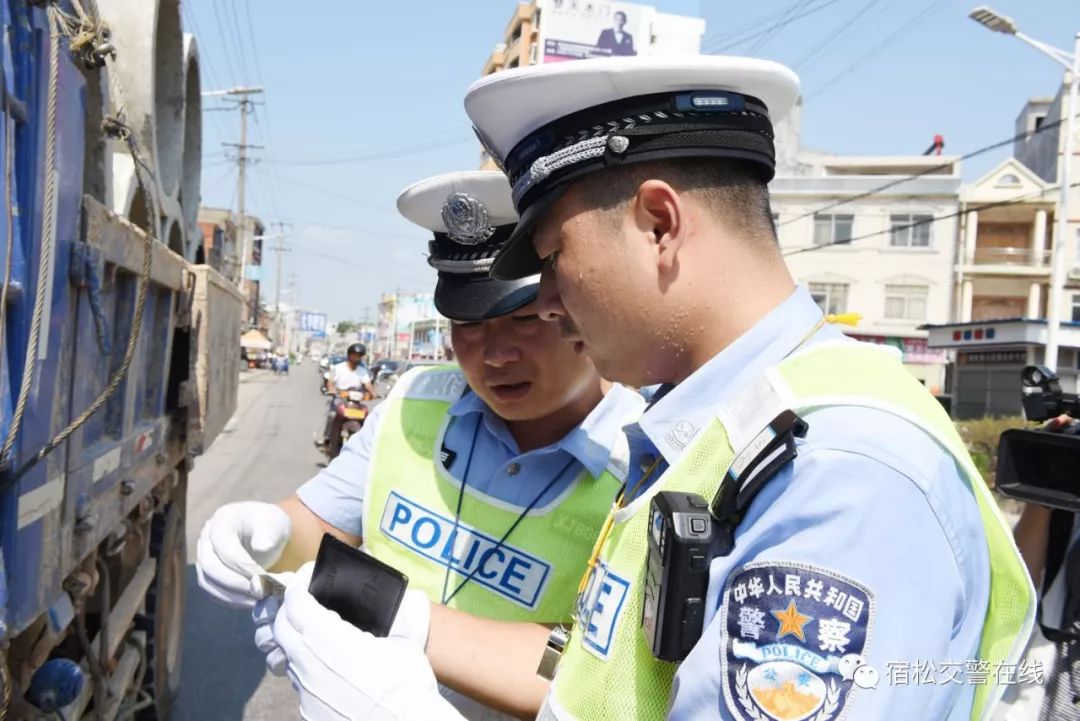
[[409, 516], [824, 375]]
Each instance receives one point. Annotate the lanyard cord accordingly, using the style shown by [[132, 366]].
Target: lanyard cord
[[460, 498], [609, 522], [506, 535]]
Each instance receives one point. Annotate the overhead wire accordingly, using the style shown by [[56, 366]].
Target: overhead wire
[[860, 61], [383, 153], [728, 45], [337, 194], [777, 27], [274, 191], [830, 41], [927, 171], [234, 27], [225, 44], [929, 221], [744, 30], [204, 62]]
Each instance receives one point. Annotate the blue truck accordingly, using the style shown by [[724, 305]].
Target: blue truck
[[107, 386]]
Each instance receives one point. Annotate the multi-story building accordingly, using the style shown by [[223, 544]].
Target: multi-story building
[[430, 340], [398, 315], [868, 238], [218, 248], [221, 249], [1003, 268], [545, 31]]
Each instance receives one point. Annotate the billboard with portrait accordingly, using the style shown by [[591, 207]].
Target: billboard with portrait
[[581, 29]]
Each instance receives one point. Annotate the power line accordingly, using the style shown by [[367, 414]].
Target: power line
[[929, 221], [251, 38], [225, 44], [926, 171], [353, 262], [860, 61], [274, 190], [830, 40], [384, 153], [204, 61], [792, 9], [234, 25], [743, 30], [336, 194], [771, 29]]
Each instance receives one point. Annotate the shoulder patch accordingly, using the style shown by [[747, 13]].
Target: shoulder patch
[[794, 640], [430, 384]]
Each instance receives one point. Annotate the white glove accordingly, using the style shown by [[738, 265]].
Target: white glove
[[345, 674], [411, 624], [236, 546]]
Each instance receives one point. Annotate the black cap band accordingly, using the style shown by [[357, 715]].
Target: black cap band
[[466, 291], [647, 127]]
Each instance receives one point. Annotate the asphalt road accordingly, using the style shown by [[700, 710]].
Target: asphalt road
[[265, 453]]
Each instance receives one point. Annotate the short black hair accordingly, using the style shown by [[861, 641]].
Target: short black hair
[[618, 13], [730, 188]]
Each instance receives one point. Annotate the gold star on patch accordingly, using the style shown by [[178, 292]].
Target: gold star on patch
[[791, 622]]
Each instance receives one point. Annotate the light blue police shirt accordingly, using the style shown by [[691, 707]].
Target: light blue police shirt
[[498, 469], [870, 499]]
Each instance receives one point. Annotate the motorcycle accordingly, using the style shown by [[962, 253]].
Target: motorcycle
[[354, 413]]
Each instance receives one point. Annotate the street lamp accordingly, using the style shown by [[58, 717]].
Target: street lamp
[[1001, 24]]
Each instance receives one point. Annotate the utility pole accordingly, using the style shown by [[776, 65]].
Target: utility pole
[[294, 294], [295, 300], [242, 96], [279, 249], [393, 323]]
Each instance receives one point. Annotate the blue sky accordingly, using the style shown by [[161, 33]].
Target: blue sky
[[381, 83]]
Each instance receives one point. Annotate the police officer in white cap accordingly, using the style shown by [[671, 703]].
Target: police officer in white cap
[[485, 484], [854, 537], [874, 543]]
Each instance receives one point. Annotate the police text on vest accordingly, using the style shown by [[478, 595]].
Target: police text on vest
[[503, 569]]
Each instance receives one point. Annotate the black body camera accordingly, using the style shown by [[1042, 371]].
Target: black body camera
[[682, 534], [686, 532], [1041, 466]]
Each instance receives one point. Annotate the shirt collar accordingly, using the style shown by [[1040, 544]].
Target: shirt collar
[[591, 442], [678, 415]]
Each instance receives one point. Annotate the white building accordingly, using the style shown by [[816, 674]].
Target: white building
[[887, 256], [1003, 271]]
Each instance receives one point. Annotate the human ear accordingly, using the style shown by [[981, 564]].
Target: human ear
[[661, 213]]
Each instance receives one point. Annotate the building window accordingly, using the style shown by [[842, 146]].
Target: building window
[[830, 229], [906, 302], [910, 230], [1008, 180], [1076, 308], [830, 297]]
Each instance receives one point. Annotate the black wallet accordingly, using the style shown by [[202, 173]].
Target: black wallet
[[357, 586]]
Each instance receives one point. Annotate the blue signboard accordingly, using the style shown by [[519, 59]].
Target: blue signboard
[[313, 322]]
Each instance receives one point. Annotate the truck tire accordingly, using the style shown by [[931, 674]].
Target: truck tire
[[165, 611]]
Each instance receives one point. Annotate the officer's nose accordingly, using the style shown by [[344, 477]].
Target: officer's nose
[[548, 302], [499, 352]]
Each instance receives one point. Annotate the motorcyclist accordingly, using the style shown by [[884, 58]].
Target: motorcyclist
[[349, 375]]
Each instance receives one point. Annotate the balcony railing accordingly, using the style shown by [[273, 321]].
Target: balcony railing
[[1011, 256]]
